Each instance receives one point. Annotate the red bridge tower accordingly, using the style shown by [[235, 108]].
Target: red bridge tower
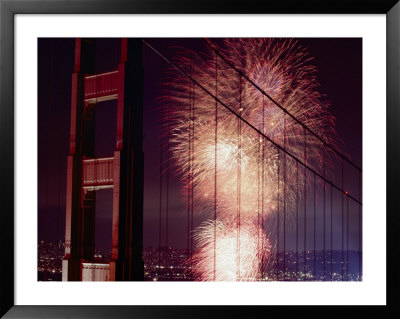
[[123, 172]]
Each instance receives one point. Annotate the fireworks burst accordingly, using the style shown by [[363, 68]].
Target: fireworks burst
[[230, 153], [238, 257]]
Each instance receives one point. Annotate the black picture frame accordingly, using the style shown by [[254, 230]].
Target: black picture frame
[[8, 10]]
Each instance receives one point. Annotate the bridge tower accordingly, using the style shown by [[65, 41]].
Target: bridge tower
[[123, 172]]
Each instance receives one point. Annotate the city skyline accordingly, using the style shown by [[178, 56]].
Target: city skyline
[[163, 264]]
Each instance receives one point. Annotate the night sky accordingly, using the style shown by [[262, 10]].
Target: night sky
[[339, 64]]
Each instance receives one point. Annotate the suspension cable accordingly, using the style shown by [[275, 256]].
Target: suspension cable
[[281, 107]]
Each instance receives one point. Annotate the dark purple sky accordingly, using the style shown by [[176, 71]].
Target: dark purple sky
[[339, 62]]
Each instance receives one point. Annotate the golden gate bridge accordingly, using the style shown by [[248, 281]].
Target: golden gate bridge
[[317, 217]]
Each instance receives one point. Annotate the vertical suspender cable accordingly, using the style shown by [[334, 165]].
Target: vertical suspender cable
[[258, 194], [191, 174], [167, 190], [215, 166], [359, 229], [262, 183], [160, 202], [341, 193], [315, 229], [347, 238], [277, 221], [297, 220], [258, 200], [284, 198], [305, 204], [324, 241], [189, 166], [239, 175], [331, 233]]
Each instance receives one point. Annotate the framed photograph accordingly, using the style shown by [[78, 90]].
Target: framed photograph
[[175, 159]]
